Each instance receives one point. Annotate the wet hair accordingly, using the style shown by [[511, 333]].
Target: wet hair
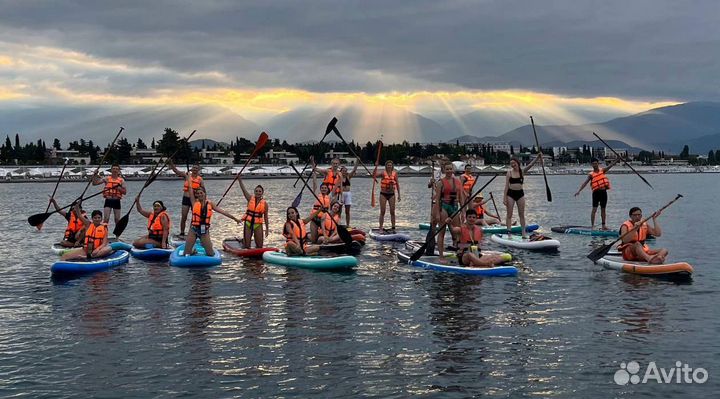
[[633, 210], [594, 160], [470, 212], [519, 165], [160, 203], [96, 212]]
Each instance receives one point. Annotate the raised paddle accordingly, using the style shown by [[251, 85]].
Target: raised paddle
[[342, 231], [602, 251], [62, 172], [101, 162], [337, 133], [39, 218], [258, 146], [431, 235], [377, 163], [624, 161], [123, 222], [542, 162], [431, 243], [328, 129]]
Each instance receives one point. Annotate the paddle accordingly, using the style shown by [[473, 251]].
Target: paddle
[[123, 222], [337, 133], [377, 163], [101, 162], [328, 129], [342, 231], [431, 242], [602, 251], [62, 172], [431, 235], [624, 161], [542, 162], [39, 218], [492, 197], [258, 146]]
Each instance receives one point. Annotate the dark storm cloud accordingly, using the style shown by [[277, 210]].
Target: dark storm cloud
[[637, 49]]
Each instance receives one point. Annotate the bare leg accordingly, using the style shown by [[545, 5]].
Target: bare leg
[[116, 214], [383, 205], [183, 218], [521, 213], [347, 216], [259, 236], [392, 212], [592, 218], [207, 244], [509, 213], [74, 254], [441, 234], [602, 216], [106, 214], [483, 261], [141, 242], [247, 236], [190, 243]]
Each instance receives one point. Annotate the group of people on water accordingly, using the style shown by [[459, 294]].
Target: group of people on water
[[449, 192]]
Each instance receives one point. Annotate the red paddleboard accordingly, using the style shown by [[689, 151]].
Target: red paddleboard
[[235, 247]]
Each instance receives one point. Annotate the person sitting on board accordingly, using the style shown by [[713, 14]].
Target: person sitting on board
[[294, 231], [96, 237], [600, 184], [346, 193], [317, 209], [113, 192], [202, 211], [467, 179], [388, 185], [256, 215], [197, 182], [484, 217], [470, 237], [331, 178], [329, 229], [158, 226], [75, 230], [633, 245]]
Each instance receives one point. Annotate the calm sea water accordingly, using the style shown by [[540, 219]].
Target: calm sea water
[[562, 328]]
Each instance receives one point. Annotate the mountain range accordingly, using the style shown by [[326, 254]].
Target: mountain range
[[696, 124]]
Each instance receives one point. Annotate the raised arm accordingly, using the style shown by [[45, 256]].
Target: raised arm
[[190, 189], [97, 180], [615, 162], [140, 208], [244, 190], [177, 171], [532, 163], [352, 174], [57, 208]]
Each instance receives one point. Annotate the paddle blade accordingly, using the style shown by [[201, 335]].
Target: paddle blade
[[431, 242], [417, 254], [296, 201], [331, 126], [262, 140], [38, 218], [344, 235], [598, 253], [549, 194], [121, 225]]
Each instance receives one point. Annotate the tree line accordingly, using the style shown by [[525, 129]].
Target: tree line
[[36, 153]]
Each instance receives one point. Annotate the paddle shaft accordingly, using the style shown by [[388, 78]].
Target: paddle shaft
[[607, 247], [258, 146], [542, 161], [624, 161], [102, 161], [352, 151], [62, 172], [328, 129], [377, 163], [492, 197]]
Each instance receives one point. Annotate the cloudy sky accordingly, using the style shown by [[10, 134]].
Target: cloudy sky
[[564, 58]]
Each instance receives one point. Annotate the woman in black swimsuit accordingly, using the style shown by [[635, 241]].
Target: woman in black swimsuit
[[514, 193]]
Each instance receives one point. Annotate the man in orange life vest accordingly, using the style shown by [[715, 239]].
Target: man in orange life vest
[[633, 245], [599, 184], [114, 190]]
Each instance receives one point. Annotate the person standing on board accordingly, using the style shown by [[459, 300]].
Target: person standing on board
[[467, 179], [388, 185], [332, 178], [346, 193], [197, 182], [113, 192], [514, 193], [599, 184], [449, 194]]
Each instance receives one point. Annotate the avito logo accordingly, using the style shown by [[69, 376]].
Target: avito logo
[[680, 374]]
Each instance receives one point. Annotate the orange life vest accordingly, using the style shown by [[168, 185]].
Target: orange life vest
[[255, 212], [331, 179], [480, 210], [196, 182], [319, 205], [75, 224], [467, 238], [112, 187], [198, 217], [298, 232], [599, 181], [641, 235], [329, 226], [155, 227], [449, 193], [469, 182], [96, 234], [388, 182]]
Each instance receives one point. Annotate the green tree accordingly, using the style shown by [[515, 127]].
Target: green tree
[[56, 144], [140, 145], [711, 157], [169, 142], [685, 153]]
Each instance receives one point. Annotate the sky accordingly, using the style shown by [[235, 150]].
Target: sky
[[566, 59]]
